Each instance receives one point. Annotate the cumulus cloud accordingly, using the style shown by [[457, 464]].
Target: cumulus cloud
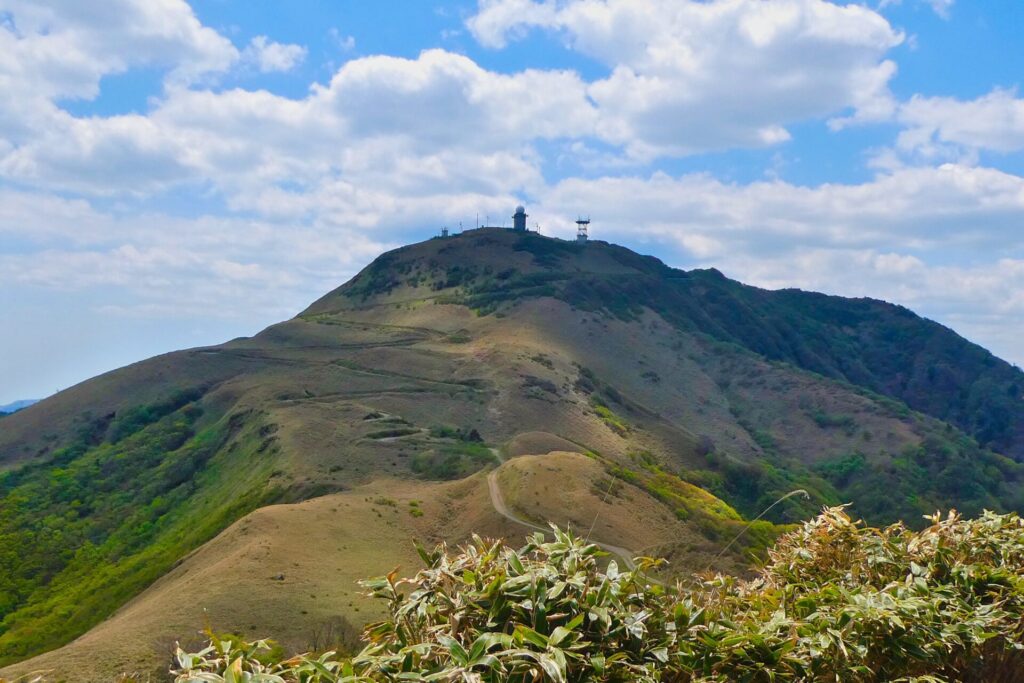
[[398, 122], [113, 155], [269, 56], [57, 50], [61, 48], [442, 99], [942, 125], [307, 189], [665, 94], [688, 76]]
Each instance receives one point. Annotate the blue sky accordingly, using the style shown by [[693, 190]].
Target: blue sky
[[177, 174]]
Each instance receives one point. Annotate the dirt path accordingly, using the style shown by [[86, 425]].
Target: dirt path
[[498, 502]]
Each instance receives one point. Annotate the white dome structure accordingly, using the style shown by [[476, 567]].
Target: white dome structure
[[519, 219]]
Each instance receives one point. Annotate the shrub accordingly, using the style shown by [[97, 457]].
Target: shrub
[[837, 601], [611, 420], [452, 461], [392, 433], [457, 433]]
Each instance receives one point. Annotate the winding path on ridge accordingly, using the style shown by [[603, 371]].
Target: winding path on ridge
[[498, 502]]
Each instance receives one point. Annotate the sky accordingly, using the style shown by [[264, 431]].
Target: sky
[[178, 174]]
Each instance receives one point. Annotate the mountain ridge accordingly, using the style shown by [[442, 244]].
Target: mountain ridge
[[708, 397], [15, 406], [779, 341]]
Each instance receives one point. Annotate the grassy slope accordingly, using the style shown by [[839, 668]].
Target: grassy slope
[[290, 570], [872, 344], [284, 570], [349, 391], [87, 531]]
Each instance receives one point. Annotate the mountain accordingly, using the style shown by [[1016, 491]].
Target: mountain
[[15, 406], [251, 483]]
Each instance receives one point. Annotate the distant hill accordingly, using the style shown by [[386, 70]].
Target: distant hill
[[691, 402], [15, 406]]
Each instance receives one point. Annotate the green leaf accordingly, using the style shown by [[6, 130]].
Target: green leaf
[[552, 669], [524, 633], [458, 652]]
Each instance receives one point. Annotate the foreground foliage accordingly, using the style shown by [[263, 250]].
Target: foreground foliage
[[836, 601]]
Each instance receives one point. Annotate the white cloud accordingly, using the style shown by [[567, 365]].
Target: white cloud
[[442, 112], [390, 148], [689, 76], [944, 125], [498, 20], [56, 50], [397, 123], [940, 7], [269, 56], [98, 155], [61, 48], [346, 43], [160, 263], [930, 209], [442, 99]]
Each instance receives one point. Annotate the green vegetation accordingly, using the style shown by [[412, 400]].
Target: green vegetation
[[753, 486], [944, 469], [840, 470], [834, 421], [457, 433], [452, 460], [881, 349], [837, 601], [104, 516], [716, 520], [543, 359], [378, 278], [460, 452], [873, 345], [392, 433], [88, 520], [924, 478], [487, 294], [613, 421], [546, 251]]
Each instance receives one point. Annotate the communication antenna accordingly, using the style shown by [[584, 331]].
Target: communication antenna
[[582, 225]]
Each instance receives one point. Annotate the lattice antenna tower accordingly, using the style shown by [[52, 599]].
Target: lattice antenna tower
[[582, 229]]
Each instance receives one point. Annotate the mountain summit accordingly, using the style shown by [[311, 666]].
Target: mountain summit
[[489, 381], [871, 344]]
